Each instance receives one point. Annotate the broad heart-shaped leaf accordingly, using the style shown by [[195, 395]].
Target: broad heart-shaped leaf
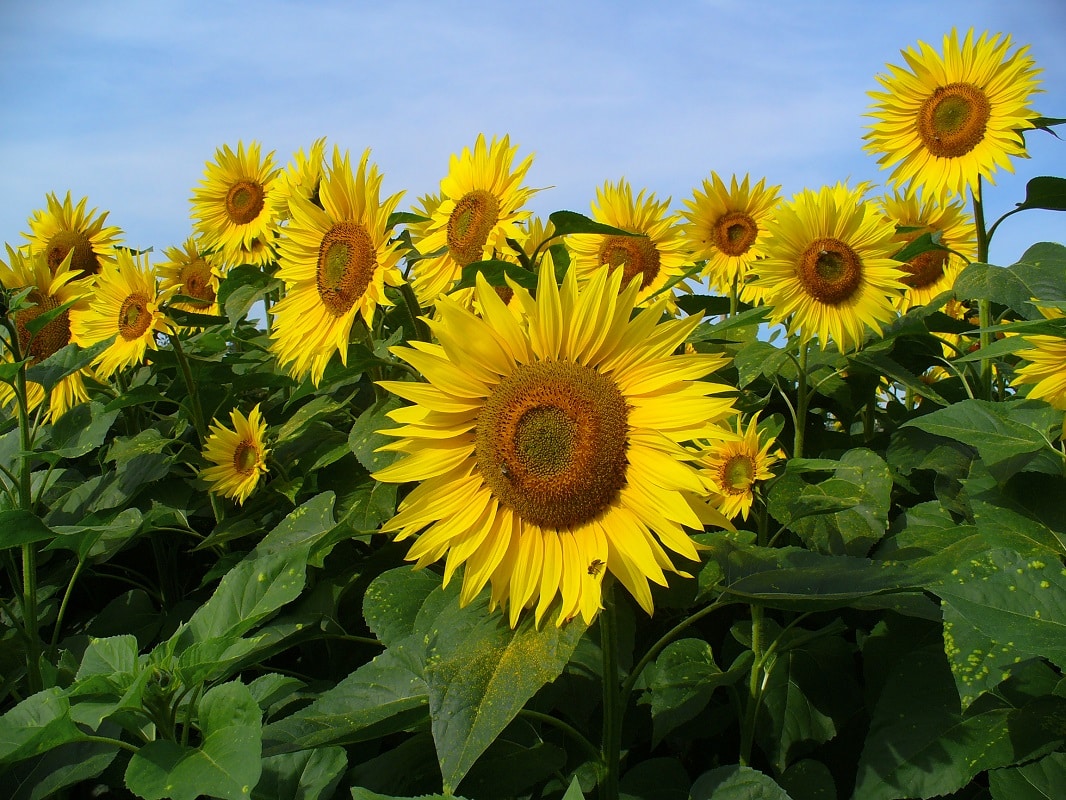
[[226, 764], [843, 515], [65, 361], [37, 724], [82, 429], [18, 527], [480, 674], [1045, 192], [736, 783], [364, 439], [306, 775], [44, 777], [393, 600], [1037, 275], [1041, 780], [1007, 436]]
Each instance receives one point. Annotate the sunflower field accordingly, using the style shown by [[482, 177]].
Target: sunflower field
[[753, 498]]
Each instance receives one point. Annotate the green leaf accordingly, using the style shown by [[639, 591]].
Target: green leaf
[[655, 779], [393, 600], [364, 439], [359, 793], [44, 777], [761, 359], [809, 780], [65, 361], [923, 243], [1045, 192], [494, 271], [707, 332], [706, 305], [568, 222], [736, 783], [226, 764], [81, 430], [297, 423], [37, 724], [18, 527], [193, 319], [306, 775], [1041, 780], [1037, 275], [108, 656], [38, 323], [509, 769]]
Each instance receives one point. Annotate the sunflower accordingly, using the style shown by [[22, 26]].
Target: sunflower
[[550, 449], [51, 288], [238, 455], [657, 255], [65, 228], [481, 200], [951, 119], [194, 273], [335, 262], [727, 227], [233, 207], [301, 178], [1046, 367], [124, 305], [933, 271], [731, 469], [829, 267]]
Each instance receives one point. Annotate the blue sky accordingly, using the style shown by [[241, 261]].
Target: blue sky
[[124, 102]]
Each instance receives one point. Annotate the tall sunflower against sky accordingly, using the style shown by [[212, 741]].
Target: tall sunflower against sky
[[193, 272], [51, 288], [482, 201], [67, 229], [237, 455], [300, 178], [335, 261], [829, 272], [726, 226], [125, 304], [548, 451], [233, 206], [657, 255], [948, 119], [915, 212]]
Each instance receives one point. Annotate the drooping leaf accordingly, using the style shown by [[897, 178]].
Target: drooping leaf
[[65, 361], [568, 222], [1045, 192]]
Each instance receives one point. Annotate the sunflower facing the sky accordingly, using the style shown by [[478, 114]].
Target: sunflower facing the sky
[[727, 227], [914, 212], [481, 206], [335, 262], [124, 304], [731, 469], [657, 255], [828, 269], [233, 207], [193, 273], [237, 454], [948, 119], [66, 228], [52, 288], [301, 178], [548, 450]]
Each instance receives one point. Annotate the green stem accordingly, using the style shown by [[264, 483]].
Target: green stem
[[984, 307], [198, 421], [611, 743], [733, 297], [802, 399], [65, 602], [566, 728], [419, 328], [108, 740], [756, 684]]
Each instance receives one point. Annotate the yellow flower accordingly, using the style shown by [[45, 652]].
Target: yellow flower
[[124, 304], [548, 450], [1046, 369], [727, 227], [948, 120], [933, 271], [480, 207], [657, 256], [233, 207], [238, 455], [65, 228], [829, 270], [192, 273], [301, 178], [51, 289], [335, 262], [731, 469]]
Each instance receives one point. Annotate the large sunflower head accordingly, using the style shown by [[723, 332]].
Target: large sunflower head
[[948, 119], [1046, 369], [731, 469], [233, 207], [66, 229], [656, 255], [194, 273], [124, 305], [335, 261], [50, 289], [828, 269], [914, 212], [481, 206], [300, 178], [548, 450], [727, 227], [237, 455]]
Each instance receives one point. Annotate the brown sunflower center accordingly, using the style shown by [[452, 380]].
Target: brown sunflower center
[[636, 255], [551, 443], [51, 337], [924, 269], [84, 259], [469, 226], [244, 201], [196, 282], [246, 457], [346, 263], [133, 317], [830, 271], [737, 474], [951, 121], [734, 233]]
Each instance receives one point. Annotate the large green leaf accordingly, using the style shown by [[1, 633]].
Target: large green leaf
[[44, 777], [1038, 275], [37, 724], [65, 361], [736, 783], [19, 527], [364, 439], [227, 764], [82, 429], [393, 600], [306, 775], [1046, 192], [1041, 780]]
